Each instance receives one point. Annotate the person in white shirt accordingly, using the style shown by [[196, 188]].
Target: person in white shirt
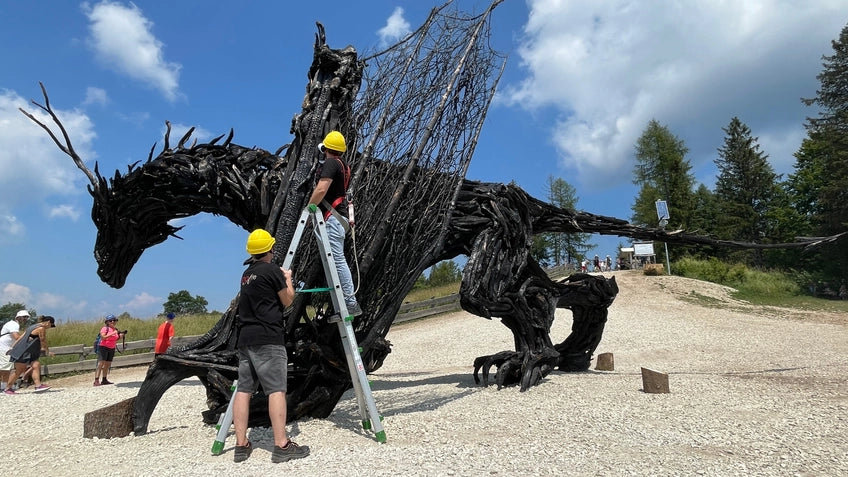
[[10, 333]]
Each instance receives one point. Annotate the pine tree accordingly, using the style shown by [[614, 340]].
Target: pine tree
[[703, 221], [820, 182], [561, 248], [662, 172], [745, 190]]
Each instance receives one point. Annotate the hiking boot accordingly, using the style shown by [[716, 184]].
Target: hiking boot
[[242, 452], [43, 387], [289, 452], [97, 382], [354, 309], [105, 382], [9, 392]]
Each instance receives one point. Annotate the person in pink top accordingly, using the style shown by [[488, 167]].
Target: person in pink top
[[109, 337]]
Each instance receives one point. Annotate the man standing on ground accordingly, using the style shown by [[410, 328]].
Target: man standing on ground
[[265, 290], [10, 333], [329, 195], [164, 335]]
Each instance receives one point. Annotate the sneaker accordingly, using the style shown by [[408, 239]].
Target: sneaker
[[104, 382], [289, 452], [43, 387], [9, 392], [97, 382], [354, 309], [242, 452]]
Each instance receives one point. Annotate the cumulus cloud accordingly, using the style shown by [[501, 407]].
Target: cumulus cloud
[[122, 39], [64, 211], [59, 305], [14, 293], [32, 168], [96, 96], [396, 28], [141, 301], [605, 69], [178, 130], [10, 227]]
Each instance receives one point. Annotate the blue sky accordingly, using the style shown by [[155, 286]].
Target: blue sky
[[583, 80]]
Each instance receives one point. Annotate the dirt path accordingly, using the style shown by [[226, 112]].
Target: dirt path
[[754, 391]]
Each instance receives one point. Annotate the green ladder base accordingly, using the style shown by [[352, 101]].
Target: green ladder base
[[217, 448]]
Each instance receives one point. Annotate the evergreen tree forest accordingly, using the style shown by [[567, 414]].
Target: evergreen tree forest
[[749, 201]]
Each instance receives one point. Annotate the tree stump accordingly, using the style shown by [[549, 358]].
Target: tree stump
[[654, 269], [654, 381], [110, 421], [605, 362]]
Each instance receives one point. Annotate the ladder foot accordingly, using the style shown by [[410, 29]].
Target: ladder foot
[[217, 448]]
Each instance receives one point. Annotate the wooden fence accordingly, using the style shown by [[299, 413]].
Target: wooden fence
[[87, 360]]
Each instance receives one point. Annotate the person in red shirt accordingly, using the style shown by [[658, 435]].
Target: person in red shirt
[[164, 335]]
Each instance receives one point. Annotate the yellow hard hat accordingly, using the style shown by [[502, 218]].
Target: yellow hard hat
[[335, 141], [259, 241]]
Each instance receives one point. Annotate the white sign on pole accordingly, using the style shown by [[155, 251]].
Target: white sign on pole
[[644, 249]]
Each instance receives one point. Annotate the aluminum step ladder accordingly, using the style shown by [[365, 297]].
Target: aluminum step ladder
[[343, 319]]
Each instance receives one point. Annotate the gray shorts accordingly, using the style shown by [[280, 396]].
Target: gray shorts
[[5, 364], [262, 364]]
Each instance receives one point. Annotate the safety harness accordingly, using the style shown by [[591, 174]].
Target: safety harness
[[331, 208]]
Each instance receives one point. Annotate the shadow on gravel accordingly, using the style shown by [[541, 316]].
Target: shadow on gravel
[[394, 381], [137, 384]]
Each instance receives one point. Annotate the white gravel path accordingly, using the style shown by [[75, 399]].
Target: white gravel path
[[753, 392]]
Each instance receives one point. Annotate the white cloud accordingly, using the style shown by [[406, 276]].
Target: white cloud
[[141, 301], [59, 305], [32, 168], [96, 96], [44, 303], [122, 40], [396, 28], [67, 211], [136, 118], [14, 293], [10, 227], [605, 69], [178, 131]]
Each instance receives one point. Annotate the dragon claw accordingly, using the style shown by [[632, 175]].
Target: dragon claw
[[525, 368]]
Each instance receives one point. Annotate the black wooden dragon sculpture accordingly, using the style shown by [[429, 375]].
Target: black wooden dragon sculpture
[[413, 128]]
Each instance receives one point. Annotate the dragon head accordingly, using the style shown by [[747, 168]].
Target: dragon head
[[126, 227], [130, 216]]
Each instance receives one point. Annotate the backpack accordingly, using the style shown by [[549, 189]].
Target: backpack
[[97, 343]]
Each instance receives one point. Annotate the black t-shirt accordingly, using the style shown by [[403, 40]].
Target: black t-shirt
[[333, 169], [260, 310]]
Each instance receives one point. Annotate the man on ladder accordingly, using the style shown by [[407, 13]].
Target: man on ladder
[[329, 195], [265, 290]]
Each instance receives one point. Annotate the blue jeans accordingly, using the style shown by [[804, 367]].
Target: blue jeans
[[336, 234]]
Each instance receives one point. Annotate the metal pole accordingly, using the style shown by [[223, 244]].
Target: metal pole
[[663, 215]]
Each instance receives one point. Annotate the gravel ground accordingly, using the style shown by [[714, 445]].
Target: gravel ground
[[754, 391]]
